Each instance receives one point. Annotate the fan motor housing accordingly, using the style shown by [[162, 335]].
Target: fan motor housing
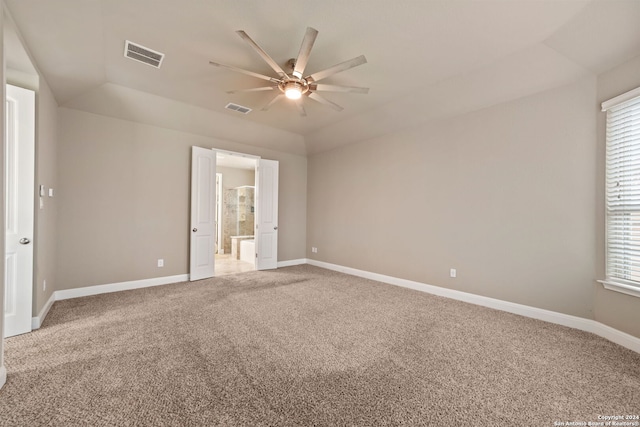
[[294, 83]]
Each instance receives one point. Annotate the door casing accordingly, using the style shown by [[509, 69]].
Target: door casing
[[266, 255]]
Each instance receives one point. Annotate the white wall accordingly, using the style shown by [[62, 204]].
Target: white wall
[[506, 195], [46, 218], [615, 309], [123, 199], [235, 177]]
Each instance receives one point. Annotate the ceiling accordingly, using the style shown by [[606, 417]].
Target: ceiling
[[237, 161], [421, 54]]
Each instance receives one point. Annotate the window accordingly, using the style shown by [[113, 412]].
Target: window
[[623, 193]]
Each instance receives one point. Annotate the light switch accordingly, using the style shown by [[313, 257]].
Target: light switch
[[51, 192]]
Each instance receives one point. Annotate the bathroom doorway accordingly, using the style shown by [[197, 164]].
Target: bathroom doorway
[[235, 213], [262, 211]]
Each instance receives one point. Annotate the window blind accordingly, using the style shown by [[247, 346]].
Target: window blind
[[623, 193]]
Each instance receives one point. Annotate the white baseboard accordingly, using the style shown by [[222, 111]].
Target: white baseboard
[[616, 336], [116, 287], [588, 325], [292, 262], [36, 322], [3, 375]]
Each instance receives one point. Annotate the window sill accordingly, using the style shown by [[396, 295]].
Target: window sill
[[621, 287]]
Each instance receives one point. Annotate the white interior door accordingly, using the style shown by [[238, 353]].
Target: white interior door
[[19, 192], [267, 213], [203, 205]]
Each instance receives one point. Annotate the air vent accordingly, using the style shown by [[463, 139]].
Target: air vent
[[238, 108], [143, 54]]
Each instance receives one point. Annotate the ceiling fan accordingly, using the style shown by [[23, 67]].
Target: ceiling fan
[[291, 83]]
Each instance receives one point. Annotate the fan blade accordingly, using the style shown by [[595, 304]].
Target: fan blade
[[277, 98], [255, 89], [335, 88], [325, 101], [305, 50], [273, 64], [303, 113], [337, 69], [249, 73]]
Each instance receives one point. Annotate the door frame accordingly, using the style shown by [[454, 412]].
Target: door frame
[[219, 213], [255, 183], [257, 208]]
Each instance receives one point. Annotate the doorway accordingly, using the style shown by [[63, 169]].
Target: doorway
[[236, 221], [263, 250]]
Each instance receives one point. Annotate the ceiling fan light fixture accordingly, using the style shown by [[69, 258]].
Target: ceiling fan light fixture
[[293, 90], [290, 82]]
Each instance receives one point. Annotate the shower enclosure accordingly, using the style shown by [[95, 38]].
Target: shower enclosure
[[239, 216]]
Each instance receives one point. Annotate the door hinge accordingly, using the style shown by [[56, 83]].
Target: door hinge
[[256, 254]]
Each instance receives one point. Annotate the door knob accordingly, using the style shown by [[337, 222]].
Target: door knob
[[275, 228], [24, 241], [195, 229]]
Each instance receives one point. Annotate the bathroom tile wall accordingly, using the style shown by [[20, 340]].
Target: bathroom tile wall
[[229, 218], [246, 211], [234, 180]]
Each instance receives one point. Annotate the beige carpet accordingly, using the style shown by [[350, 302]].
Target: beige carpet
[[304, 346]]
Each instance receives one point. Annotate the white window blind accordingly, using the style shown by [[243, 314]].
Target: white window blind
[[623, 194]]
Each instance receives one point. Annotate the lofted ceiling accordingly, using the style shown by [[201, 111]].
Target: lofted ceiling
[[421, 54]]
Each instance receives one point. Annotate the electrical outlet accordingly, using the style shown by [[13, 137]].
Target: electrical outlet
[[314, 249], [453, 272], [44, 285], [160, 263]]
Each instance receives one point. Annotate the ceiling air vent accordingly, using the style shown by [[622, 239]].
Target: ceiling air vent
[[238, 108], [143, 54]]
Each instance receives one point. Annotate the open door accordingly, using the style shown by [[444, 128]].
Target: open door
[[203, 209], [267, 215], [19, 153]]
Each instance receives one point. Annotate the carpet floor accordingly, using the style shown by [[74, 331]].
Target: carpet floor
[[303, 346]]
